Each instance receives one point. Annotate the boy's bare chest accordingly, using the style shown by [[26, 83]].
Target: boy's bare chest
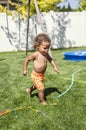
[[41, 58]]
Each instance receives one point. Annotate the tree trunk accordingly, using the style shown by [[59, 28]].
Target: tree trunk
[[38, 15]]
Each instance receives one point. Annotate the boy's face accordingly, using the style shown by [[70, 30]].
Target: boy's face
[[44, 47]]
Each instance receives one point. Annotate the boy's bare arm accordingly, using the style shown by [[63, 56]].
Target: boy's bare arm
[[27, 60], [54, 66], [25, 66], [51, 60]]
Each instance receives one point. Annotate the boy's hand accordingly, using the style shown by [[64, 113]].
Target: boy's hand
[[57, 71], [24, 72]]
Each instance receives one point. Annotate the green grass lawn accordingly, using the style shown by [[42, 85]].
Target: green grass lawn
[[24, 113]]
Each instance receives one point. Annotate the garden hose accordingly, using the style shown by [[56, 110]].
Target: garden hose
[[22, 108], [13, 110], [72, 82]]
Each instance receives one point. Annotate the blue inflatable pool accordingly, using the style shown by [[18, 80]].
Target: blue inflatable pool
[[75, 55]]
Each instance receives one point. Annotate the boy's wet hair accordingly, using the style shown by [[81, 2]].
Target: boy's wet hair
[[41, 38]]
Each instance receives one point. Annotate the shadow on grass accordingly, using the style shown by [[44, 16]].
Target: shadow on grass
[[2, 59], [48, 91]]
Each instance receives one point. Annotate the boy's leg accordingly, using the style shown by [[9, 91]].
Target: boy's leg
[[41, 97], [30, 90], [39, 85]]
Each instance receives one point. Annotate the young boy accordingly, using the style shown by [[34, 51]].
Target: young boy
[[39, 58]]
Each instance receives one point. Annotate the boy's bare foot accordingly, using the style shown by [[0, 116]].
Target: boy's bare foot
[[44, 103], [28, 91]]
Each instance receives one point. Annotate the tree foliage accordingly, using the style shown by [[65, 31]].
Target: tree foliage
[[44, 5], [22, 9], [47, 5], [83, 4]]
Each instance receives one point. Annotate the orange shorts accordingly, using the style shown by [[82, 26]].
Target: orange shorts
[[38, 80]]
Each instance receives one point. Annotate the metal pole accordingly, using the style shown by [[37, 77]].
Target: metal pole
[[27, 26], [19, 22]]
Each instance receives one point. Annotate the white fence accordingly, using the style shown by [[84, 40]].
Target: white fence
[[66, 29]]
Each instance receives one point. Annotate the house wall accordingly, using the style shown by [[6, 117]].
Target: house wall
[[66, 29]]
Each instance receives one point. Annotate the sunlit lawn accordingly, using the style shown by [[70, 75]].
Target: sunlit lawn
[[65, 113]]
